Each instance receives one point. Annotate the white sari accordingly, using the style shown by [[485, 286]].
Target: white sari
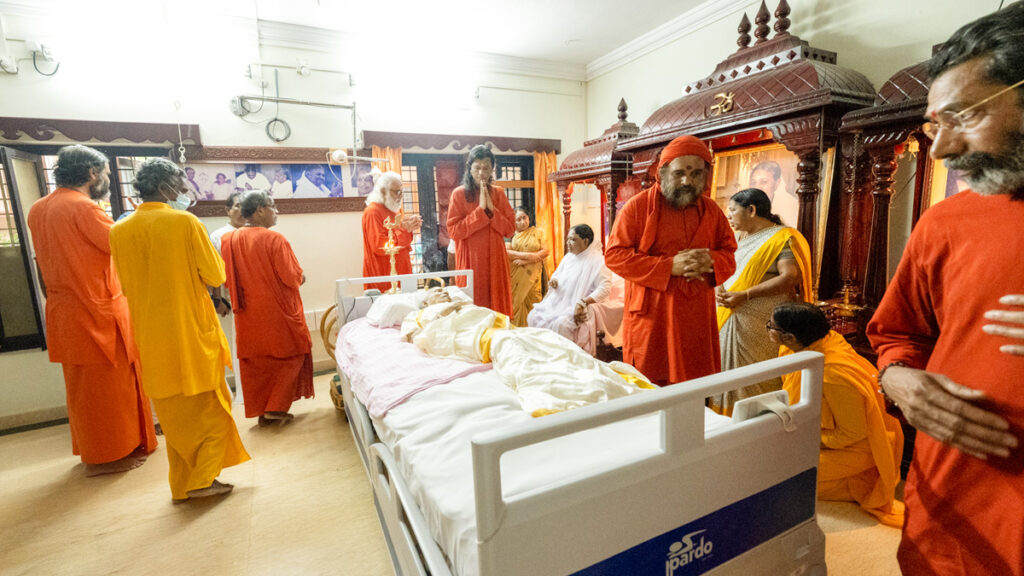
[[579, 276]]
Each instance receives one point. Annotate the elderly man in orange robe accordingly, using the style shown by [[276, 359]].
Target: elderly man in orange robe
[[386, 202], [673, 245], [274, 346], [479, 220], [88, 327]]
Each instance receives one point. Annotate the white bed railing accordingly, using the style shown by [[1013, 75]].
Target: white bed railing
[[554, 512], [350, 306]]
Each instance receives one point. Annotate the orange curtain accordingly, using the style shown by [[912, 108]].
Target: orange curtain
[[549, 206], [393, 157]]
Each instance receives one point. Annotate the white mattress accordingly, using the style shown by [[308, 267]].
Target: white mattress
[[430, 434]]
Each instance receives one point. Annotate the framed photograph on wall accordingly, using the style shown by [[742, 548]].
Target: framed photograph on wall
[[771, 168], [300, 179]]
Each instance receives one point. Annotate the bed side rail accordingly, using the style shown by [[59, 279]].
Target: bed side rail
[[693, 474], [352, 307]]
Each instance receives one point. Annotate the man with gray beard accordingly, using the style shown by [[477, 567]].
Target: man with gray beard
[[385, 202], [950, 330], [672, 245], [88, 328]]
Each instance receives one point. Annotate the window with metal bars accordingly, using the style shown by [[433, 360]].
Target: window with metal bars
[[411, 205], [8, 224]]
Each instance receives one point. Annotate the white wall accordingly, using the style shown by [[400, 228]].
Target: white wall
[[136, 70]]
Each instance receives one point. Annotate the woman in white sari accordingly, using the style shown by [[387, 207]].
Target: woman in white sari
[[580, 280], [773, 265]]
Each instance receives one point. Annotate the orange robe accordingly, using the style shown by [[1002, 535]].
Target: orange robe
[[480, 246], [861, 444], [88, 329], [670, 328], [274, 345], [375, 261], [965, 516]]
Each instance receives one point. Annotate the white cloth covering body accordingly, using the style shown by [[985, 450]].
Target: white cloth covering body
[[579, 276]]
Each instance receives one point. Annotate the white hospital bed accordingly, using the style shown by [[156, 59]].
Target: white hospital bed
[[648, 484]]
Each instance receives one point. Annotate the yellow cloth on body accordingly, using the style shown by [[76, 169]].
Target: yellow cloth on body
[[548, 372], [181, 344], [166, 261], [201, 438], [861, 444], [762, 260]]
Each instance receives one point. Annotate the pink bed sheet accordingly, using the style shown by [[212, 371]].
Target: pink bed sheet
[[385, 371]]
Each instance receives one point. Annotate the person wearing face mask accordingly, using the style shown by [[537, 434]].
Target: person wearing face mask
[[167, 264], [672, 245], [274, 346], [479, 220], [87, 324], [385, 202]]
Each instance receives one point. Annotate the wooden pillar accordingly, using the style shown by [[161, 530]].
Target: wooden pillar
[[808, 175], [563, 191], [883, 160]]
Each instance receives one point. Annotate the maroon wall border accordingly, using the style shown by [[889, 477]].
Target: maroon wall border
[[458, 141]]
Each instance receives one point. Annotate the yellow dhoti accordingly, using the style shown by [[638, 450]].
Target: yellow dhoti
[[201, 438]]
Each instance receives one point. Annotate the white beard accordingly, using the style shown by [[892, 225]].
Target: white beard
[[393, 205]]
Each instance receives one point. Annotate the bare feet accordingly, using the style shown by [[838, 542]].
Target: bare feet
[[129, 462], [269, 418], [215, 489]]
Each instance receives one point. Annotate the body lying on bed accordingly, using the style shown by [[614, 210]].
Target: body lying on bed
[[548, 372]]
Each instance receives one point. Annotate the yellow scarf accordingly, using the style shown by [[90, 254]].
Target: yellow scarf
[[759, 263]]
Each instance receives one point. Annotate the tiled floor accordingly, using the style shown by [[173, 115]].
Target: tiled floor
[[302, 506]]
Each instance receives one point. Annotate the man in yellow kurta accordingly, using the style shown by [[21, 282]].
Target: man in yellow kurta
[[861, 444], [166, 263]]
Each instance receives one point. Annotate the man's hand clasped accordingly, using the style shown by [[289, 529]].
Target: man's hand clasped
[[948, 412], [692, 264]]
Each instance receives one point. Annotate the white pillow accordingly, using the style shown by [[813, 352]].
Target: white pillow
[[388, 310]]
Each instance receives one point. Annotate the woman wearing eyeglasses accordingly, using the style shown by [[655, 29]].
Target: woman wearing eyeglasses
[[861, 444], [773, 265]]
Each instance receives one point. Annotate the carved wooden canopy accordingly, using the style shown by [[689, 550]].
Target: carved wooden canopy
[[901, 100], [759, 86], [599, 156]]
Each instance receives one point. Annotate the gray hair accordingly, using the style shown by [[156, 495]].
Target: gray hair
[[155, 172], [999, 37], [75, 164], [252, 201]]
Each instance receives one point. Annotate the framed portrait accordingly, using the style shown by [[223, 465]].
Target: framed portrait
[[301, 180], [771, 168], [216, 181]]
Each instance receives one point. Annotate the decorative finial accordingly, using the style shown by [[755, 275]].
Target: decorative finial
[[622, 110], [744, 39], [781, 19], [762, 24]]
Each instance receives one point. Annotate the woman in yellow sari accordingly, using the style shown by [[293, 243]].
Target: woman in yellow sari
[[526, 263], [773, 266], [861, 445]]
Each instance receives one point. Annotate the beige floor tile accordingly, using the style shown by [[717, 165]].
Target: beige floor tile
[[301, 506]]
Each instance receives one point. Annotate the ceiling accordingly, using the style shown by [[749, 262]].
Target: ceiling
[[568, 31]]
